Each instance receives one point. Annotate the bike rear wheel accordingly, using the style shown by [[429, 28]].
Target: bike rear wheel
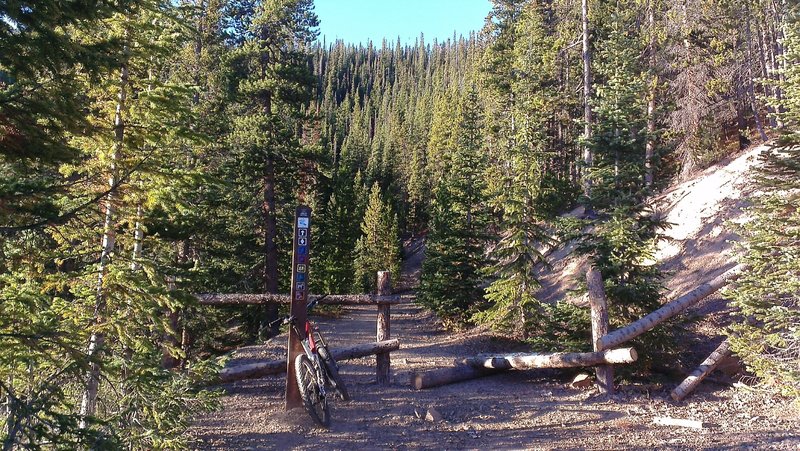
[[335, 380], [314, 401]]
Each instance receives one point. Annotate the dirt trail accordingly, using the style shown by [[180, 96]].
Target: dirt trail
[[520, 410], [516, 410]]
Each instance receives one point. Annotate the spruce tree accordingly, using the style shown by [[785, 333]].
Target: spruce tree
[[378, 248], [451, 272], [767, 296], [274, 83]]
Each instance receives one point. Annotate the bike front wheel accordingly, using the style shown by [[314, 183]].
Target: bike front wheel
[[332, 369], [314, 401]]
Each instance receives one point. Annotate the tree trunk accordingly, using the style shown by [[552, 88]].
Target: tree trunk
[[707, 367], [138, 238], [765, 75], [750, 83], [522, 361], [669, 310], [650, 145], [89, 401], [270, 231], [586, 55]]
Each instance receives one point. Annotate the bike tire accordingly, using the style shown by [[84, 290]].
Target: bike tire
[[335, 380], [313, 401]]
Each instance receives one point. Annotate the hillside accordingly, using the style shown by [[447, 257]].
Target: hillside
[[700, 242]]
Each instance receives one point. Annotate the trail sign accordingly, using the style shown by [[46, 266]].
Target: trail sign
[[299, 296]]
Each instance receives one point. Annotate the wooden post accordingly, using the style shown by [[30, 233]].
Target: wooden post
[[299, 299], [705, 368], [383, 361], [599, 305]]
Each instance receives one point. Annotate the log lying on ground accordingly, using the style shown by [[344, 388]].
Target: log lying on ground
[[253, 370], [522, 361], [669, 310], [705, 368], [266, 298], [443, 376]]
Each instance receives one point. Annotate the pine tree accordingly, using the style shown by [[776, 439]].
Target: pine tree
[[110, 294], [519, 138], [378, 248], [275, 83], [451, 272], [768, 295], [43, 60]]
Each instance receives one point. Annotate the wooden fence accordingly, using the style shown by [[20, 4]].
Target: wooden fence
[[383, 299]]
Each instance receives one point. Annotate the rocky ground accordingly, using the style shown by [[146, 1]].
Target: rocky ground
[[516, 410]]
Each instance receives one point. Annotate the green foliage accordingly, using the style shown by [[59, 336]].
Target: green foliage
[[44, 60], [454, 258], [378, 248], [622, 246], [519, 132], [768, 294]]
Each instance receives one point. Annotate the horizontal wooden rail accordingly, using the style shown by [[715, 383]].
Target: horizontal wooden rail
[[333, 299], [260, 369]]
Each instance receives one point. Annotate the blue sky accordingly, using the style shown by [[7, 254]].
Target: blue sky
[[357, 21]]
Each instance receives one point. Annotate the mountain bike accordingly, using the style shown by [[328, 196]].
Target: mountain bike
[[316, 370]]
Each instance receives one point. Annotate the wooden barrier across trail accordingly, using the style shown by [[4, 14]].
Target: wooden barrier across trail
[[529, 361], [486, 365], [602, 342], [381, 349], [707, 367]]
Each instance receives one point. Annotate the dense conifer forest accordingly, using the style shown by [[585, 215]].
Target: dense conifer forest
[[151, 150]]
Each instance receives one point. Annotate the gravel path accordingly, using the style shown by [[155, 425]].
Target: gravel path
[[519, 410]]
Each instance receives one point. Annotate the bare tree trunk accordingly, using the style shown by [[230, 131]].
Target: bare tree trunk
[[89, 401], [765, 75], [650, 145], [270, 230], [138, 238], [750, 88], [586, 55]]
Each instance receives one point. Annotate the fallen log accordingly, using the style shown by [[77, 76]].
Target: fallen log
[[443, 376], [254, 370], [267, 298], [669, 310], [522, 361], [707, 367]]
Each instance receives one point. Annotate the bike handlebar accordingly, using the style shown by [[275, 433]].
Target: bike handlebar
[[289, 319]]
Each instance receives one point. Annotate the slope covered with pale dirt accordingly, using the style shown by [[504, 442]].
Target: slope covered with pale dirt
[[700, 242]]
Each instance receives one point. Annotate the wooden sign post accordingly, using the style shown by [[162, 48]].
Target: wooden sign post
[[299, 294]]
